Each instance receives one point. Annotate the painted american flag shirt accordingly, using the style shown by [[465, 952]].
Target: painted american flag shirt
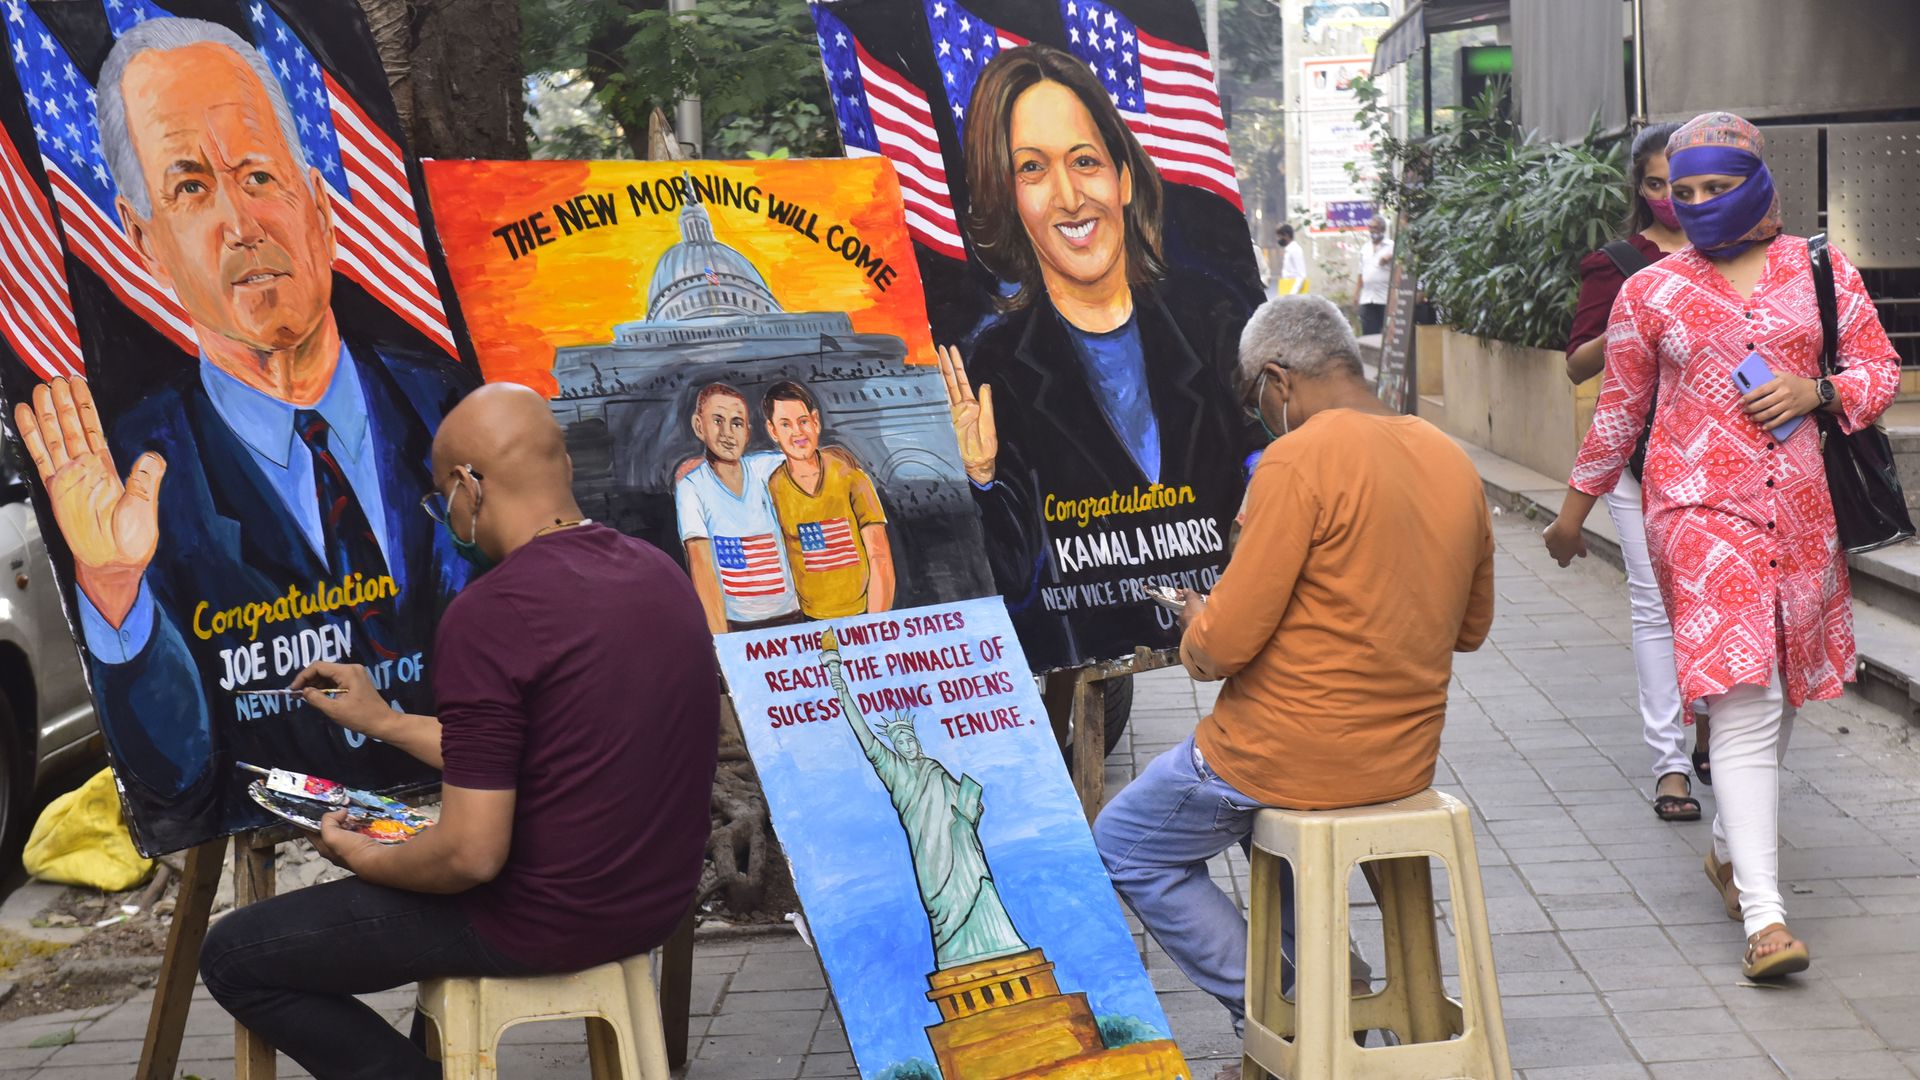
[[822, 528], [748, 555]]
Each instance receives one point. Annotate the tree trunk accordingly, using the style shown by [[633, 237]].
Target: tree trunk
[[454, 67]]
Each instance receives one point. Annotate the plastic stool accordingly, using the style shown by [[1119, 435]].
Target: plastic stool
[[625, 1040], [1311, 1037]]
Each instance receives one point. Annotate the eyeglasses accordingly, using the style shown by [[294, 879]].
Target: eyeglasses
[[437, 504], [1250, 402]]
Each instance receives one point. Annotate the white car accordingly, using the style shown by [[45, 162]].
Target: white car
[[47, 726]]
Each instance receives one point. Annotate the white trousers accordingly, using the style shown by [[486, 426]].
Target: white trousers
[[1661, 712], [1751, 728]]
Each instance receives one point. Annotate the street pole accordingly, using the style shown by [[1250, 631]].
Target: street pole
[[1639, 63], [686, 112], [1213, 32]]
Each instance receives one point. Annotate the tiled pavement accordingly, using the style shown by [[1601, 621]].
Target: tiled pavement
[[1615, 960]]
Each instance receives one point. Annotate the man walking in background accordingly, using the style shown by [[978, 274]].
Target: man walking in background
[[1376, 269], [1293, 263]]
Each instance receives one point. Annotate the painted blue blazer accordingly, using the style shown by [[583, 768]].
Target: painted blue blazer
[[227, 540]]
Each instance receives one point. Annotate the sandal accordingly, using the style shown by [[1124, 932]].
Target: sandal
[[1677, 807], [1784, 960], [1702, 767], [1721, 875]]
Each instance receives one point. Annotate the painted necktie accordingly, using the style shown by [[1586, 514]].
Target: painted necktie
[[346, 533]]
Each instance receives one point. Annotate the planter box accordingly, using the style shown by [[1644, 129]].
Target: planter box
[[1513, 401]]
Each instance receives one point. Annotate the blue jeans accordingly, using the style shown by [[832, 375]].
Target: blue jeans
[[1156, 837]]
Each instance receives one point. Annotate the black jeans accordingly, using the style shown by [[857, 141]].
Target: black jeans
[[289, 968], [1373, 317]]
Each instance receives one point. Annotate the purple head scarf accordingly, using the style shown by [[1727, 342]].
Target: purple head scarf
[[1723, 143]]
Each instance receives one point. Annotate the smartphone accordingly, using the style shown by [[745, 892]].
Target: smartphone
[[1751, 375], [1166, 598]]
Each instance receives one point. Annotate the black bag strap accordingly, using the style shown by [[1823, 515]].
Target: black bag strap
[[1626, 258], [1822, 265]]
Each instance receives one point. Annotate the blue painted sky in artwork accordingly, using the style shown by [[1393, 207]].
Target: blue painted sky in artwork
[[850, 857]]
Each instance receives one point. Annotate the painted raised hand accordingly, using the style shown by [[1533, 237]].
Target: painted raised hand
[[973, 424], [110, 527]]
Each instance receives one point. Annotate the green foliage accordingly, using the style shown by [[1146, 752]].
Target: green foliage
[[1251, 39], [1498, 221], [753, 64], [1118, 1031]]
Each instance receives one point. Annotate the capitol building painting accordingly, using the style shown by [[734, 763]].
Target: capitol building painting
[[711, 317]]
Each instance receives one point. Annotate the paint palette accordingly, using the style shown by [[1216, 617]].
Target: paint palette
[[388, 821]]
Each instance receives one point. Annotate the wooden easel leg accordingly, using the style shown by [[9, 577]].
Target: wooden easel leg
[[1090, 742], [253, 880], [676, 990], [173, 994]]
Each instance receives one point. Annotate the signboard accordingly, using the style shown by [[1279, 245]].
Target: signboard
[[230, 438], [950, 881], [1396, 384], [1332, 140], [1090, 487]]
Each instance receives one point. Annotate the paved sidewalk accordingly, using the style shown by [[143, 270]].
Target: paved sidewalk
[[1615, 959]]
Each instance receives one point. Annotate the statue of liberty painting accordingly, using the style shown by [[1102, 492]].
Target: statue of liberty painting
[[941, 817]]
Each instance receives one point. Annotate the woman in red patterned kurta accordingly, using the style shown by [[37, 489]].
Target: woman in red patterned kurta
[[1739, 519]]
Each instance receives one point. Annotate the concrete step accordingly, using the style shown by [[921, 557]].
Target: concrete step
[[1886, 583]]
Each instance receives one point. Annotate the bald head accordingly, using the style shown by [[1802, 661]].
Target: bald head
[[500, 461], [507, 434]]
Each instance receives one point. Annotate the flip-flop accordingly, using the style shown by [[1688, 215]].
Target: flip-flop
[[1782, 961], [1722, 877], [1677, 807]]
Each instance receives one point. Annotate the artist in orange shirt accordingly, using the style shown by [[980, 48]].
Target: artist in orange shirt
[[1366, 561]]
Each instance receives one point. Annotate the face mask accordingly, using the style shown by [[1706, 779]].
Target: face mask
[[1719, 226], [1259, 395], [469, 550], [1663, 212]]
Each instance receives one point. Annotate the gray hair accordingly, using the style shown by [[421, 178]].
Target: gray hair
[[166, 35], [1305, 334]]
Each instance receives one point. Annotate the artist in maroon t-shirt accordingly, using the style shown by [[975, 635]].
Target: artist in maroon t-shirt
[[578, 727]]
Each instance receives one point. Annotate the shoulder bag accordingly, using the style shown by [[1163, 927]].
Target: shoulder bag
[[1869, 509], [1627, 259]]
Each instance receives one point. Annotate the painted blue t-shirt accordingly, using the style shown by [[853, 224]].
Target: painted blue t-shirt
[[1116, 370]]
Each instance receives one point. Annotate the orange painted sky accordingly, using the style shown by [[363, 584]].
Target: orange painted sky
[[573, 290]]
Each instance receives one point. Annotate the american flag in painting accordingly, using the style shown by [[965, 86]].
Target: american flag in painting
[[36, 314], [366, 174], [962, 45], [750, 565], [60, 104], [827, 545], [882, 113], [1165, 91]]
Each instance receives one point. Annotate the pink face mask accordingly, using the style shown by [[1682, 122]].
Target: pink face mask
[[1663, 212]]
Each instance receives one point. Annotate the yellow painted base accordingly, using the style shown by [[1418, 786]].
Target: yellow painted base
[[1006, 1018]]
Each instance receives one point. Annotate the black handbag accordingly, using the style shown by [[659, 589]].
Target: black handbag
[[1628, 260], [1869, 509]]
